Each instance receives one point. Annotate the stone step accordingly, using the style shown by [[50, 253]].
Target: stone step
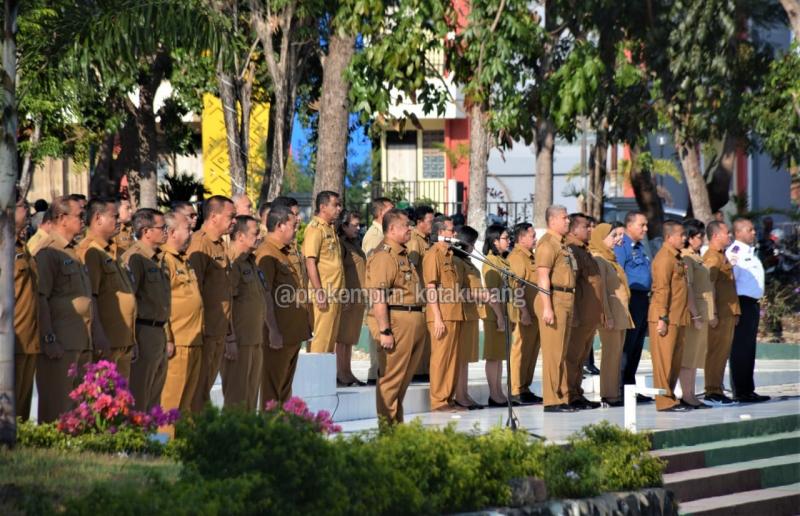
[[734, 478], [774, 501], [730, 451], [731, 429]]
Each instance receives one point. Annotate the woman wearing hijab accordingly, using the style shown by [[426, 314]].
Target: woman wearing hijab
[[701, 291], [615, 306], [496, 244]]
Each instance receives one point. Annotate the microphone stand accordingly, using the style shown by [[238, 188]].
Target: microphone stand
[[507, 275]]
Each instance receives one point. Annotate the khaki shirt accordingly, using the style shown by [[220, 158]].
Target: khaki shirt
[[493, 282], [521, 262], [322, 242], [721, 276], [64, 282], [390, 271], [26, 302], [249, 300], [35, 242], [699, 279], [670, 292], [111, 286], [185, 326], [439, 268], [552, 252], [124, 239], [616, 294], [470, 289], [150, 281], [589, 293], [355, 270], [209, 259], [372, 238], [417, 247], [285, 280]]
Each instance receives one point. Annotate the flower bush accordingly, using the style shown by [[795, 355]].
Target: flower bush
[[105, 405], [297, 408]]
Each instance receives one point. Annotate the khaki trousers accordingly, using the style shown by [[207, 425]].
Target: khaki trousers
[[149, 371], [555, 341], [717, 354], [24, 371], [611, 363], [183, 377], [424, 366], [326, 329], [240, 375], [209, 368], [278, 370], [400, 363], [54, 385], [445, 354], [525, 345], [667, 352], [121, 357], [581, 339]]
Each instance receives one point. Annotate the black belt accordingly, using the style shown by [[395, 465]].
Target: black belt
[[568, 290], [150, 322], [406, 308]]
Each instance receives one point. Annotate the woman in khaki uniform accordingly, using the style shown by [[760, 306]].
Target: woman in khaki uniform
[[700, 286], [353, 305], [470, 328], [615, 306], [495, 248]]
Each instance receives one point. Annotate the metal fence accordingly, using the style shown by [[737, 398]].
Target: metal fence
[[505, 213]]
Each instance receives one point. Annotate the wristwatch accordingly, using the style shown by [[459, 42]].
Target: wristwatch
[[387, 332], [50, 338], [664, 318]]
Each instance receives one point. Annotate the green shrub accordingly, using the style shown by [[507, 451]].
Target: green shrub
[[571, 472], [126, 440]]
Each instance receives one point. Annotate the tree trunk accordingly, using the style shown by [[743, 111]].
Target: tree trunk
[[478, 168], [146, 178], [598, 170], [8, 177], [334, 116], [28, 164], [230, 114], [102, 184], [644, 188], [543, 195], [792, 8], [722, 174], [696, 183], [273, 179], [246, 107]]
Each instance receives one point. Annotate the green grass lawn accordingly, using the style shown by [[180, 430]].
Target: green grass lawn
[[40, 480]]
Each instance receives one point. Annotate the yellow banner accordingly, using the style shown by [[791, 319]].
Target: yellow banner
[[216, 166]]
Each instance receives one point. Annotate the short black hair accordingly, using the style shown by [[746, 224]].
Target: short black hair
[[693, 228], [390, 217], [438, 226], [97, 206], [285, 200], [40, 205], [377, 205], [214, 204], [713, 228], [278, 214], [240, 225], [179, 205], [345, 217], [420, 212], [77, 197], [575, 218], [467, 234], [265, 206], [670, 227], [631, 216], [144, 218], [521, 228], [493, 233], [323, 198]]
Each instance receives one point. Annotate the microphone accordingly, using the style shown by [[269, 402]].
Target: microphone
[[450, 240]]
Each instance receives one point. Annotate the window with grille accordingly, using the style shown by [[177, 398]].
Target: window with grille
[[432, 155]]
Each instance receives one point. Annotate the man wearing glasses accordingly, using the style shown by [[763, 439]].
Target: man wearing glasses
[[151, 284], [187, 210]]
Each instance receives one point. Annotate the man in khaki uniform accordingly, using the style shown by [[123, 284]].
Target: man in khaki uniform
[[112, 292], [667, 317], [284, 282], [588, 315], [417, 246], [26, 316], [185, 328], [444, 315], [555, 268], [323, 254], [241, 366], [187, 210], [35, 242], [153, 295], [208, 256], [398, 322], [726, 301], [525, 336], [65, 310], [123, 240]]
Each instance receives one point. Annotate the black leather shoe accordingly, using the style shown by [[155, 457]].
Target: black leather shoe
[[584, 404], [421, 378], [529, 398], [678, 408], [641, 398], [591, 370], [752, 398], [698, 406], [560, 408], [493, 403], [612, 403], [719, 400], [372, 381]]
